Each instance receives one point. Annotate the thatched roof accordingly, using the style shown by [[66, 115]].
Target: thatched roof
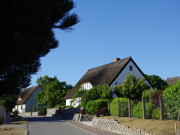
[[105, 74], [172, 80], [26, 94]]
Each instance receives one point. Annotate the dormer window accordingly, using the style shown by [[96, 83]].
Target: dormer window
[[130, 68]]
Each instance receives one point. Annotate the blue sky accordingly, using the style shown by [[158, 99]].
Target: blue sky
[[146, 30]]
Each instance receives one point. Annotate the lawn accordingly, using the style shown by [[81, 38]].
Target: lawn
[[158, 127], [15, 128]]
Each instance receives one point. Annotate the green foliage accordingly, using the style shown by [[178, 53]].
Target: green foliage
[[137, 110], [156, 113], [95, 93], [69, 106], [157, 82], [8, 102], [131, 88], [92, 106], [123, 107], [43, 110], [26, 29], [53, 92], [171, 98], [153, 96]]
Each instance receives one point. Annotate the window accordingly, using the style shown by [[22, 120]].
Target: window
[[130, 68]]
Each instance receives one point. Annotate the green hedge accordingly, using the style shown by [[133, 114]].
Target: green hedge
[[123, 107], [92, 106], [137, 110], [156, 113], [171, 98]]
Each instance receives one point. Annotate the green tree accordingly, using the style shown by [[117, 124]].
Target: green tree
[[171, 98], [95, 93], [53, 92], [157, 82], [26, 29], [132, 87], [8, 102]]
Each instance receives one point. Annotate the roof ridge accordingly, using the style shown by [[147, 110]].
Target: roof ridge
[[108, 64]]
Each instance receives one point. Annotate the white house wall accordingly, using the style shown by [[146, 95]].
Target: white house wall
[[122, 76], [75, 103], [31, 102]]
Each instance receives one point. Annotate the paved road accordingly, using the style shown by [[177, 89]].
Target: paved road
[[53, 126]]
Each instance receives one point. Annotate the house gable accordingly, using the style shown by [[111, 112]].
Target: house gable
[[131, 68], [127, 69]]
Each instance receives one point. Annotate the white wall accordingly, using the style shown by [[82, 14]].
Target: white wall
[[31, 102], [76, 102], [122, 76]]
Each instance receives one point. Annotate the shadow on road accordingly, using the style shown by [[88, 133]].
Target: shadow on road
[[60, 118]]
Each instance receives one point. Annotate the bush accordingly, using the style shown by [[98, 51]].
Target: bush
[[69, 106], [131, 88], [103, 111], [137, 110], [94, 105], [96, 93], [171, 98], [43, 110], [156, 113], [123, 107], [153, 95]]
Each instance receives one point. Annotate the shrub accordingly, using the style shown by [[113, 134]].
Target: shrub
[[171, 98], [69, 106], [123, 107], [94, 105], [96, 93], [156, 113], [43, 110], [153, 95], [103, 111], [137, 110]]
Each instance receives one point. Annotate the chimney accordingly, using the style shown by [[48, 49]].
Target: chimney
[[116, 59]]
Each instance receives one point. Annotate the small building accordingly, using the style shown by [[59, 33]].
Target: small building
[[26, 99], [110, 74], [172, 80]]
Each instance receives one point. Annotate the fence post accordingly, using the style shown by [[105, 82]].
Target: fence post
[[175, 126], [143, 107], [161, 107], [130, 114], [178, 116], [118, 109], [108, 106]]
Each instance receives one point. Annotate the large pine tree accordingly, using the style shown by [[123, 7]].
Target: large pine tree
[[26, 35]]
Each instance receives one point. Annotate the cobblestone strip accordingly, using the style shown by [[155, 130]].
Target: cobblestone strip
[[94, 130]]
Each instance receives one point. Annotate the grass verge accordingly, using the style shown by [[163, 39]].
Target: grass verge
[[158, 127]]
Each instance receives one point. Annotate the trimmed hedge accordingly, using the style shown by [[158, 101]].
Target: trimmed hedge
[[137, 110], [123, 107], [94, 105]]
